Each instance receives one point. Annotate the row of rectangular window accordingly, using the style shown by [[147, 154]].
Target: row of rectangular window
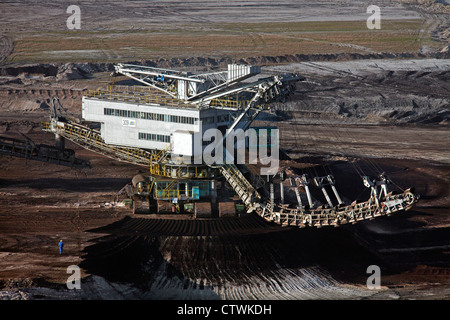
[[154, 137], [149, 116]]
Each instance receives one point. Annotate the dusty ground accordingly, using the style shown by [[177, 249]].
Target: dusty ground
[[380, 114]]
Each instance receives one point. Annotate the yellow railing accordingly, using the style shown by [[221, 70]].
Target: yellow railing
[[132, 89], [170, 185], [137, 89], [92, 139]]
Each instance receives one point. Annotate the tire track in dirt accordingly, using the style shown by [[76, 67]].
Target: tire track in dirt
[[229, 266], [6, 47]]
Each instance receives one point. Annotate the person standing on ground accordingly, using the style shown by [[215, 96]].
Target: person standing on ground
[[60, 245]]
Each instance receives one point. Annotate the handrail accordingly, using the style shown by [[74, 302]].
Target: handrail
[[174, 193]]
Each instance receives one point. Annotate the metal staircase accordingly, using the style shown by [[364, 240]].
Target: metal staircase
[[156, 160]]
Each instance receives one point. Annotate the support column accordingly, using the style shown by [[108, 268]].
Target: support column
[[282, 192]]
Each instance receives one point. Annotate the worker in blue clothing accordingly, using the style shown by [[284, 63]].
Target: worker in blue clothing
[[60, 245]]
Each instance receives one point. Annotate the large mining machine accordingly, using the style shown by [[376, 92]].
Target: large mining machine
[[159, 123]]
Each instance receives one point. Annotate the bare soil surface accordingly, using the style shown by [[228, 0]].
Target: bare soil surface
[[359, 111], [148, 257]]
